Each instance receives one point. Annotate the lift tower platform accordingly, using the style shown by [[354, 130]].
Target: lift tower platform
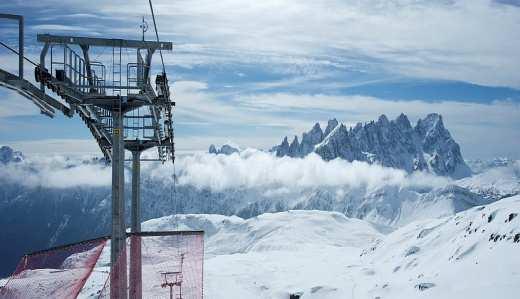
[[115, 111], [120, 107]]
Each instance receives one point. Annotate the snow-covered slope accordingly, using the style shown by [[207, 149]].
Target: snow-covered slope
[[473, 254], [479, 165], [289, 230], [495, 182], [317, 254]]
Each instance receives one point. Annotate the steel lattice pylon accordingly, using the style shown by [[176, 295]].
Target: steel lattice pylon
[[113, 110]]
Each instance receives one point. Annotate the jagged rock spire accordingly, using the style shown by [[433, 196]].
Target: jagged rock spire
[[294, 148], [331, 124], [426, 147]]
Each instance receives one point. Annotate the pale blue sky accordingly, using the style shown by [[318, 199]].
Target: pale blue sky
[[253, 72]]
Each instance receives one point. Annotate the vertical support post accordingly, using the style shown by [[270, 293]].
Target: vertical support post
[[147, 64], [20, 47], [19, 18], [136, 190], [118, 277], [135, 241], [43, 53], [70, 64], [88, 69]]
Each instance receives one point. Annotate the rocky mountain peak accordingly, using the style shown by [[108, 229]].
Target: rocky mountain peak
[[282, 149], [8, 155], [403, 122], [426, 147], [212, 149], [432, 124], [383, 120], [294, 148], [310, 139], [226, 149], [331, 124]]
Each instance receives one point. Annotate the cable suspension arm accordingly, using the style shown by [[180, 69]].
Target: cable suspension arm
[[16, 52], [157, 35]]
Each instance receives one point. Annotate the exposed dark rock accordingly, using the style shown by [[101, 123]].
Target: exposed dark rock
[[426, 147]]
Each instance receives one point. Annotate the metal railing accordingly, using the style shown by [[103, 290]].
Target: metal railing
[[70, 67]]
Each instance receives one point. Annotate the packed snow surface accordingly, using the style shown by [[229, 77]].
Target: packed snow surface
[[472, 254]]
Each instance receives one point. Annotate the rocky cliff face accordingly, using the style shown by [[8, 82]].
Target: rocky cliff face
[[225, 150], [426, 147], [8, 155]]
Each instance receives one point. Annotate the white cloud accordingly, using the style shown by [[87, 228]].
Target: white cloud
[[464, 40], [196, 102], [56, 172], [68, 147], [417, 38], [256, 169], [249, 169], [58, 27]]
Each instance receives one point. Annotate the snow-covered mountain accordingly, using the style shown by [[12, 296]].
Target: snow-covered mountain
[[495, 182], [479, 166], [49, 201], [473, 254], [317, 254], [427, 146]]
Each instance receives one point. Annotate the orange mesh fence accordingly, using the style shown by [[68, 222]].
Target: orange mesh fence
[[59, 272], [172, 265]]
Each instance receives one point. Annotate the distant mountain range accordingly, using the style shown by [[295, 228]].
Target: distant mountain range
[[36, 216], [428, 146]]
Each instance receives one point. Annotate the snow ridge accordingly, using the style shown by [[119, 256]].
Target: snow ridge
[[321, 254]]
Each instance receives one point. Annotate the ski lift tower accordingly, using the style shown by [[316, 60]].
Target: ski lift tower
[[121, 109]]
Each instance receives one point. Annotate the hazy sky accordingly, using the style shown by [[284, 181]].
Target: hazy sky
[[251, 72]]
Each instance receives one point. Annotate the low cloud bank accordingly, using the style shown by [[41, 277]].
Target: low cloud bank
[[248, 169], [252, 168], [57, 172]]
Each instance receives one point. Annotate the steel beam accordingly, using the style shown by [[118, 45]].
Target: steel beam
[[118, 277], [19, 18], [28, 90], [147, 67], [86, 57], [103, 42], [20, 47], [43, 53]]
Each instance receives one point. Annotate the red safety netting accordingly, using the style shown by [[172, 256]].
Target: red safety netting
[[59, 272], [171, 262]]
